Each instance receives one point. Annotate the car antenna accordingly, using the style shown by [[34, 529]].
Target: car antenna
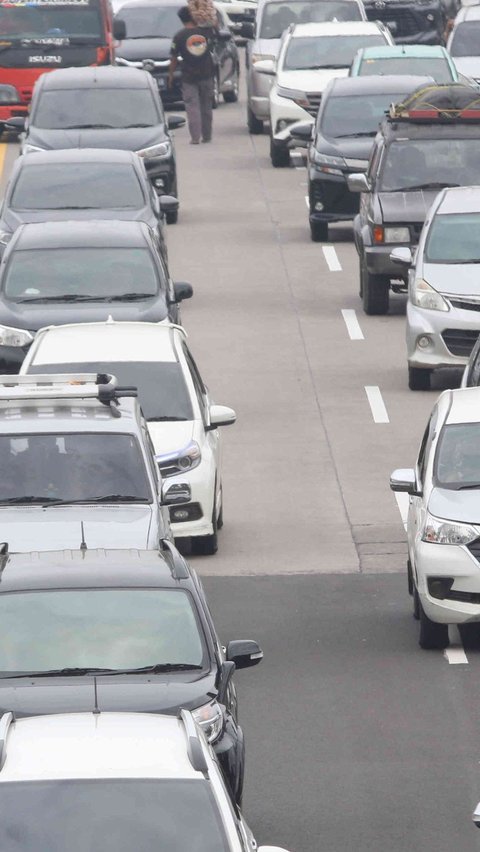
[[96, 711], [83, 544]]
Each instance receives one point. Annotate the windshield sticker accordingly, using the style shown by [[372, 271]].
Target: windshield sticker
[[15, 4], [48, 40], [57, 60]]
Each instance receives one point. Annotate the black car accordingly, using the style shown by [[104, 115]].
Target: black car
[[413, 21], [103, 108], [78, 184], [415, 155], [136, 621], [54, 273], [151, 25], [348, 120]]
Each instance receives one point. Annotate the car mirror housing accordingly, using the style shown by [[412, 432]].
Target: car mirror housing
[[404, 481], [175, 121], [401, 255], [357, 182], [119, 29], [265, 66], [17, 123], [303, 131], [182, 290], [246, 30], [220, 415], [168, 204], [244, 653]]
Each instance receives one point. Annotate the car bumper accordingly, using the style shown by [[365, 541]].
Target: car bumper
[[378, 260], [330, 198], [456, 328], [438, 561], [202, 485], [259, 86]]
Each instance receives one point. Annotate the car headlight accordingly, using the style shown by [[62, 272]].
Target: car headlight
[[210, 719], [182, 460], [424, 296], [163, 149], [396, 235], [9, 95], [326, 163], [14, 336], [439, 531], [257, 57], [300, 98], [31, 149]]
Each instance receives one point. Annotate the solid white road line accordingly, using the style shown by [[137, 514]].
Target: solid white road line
[[332, 260], [353, 326], [377, 405], [402, 503], [455, 654]]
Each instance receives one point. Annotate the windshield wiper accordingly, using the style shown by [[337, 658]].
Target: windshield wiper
[[129, 297], [165, 419], [355, 135], [471, 485], [26, 498], [129, 126], [118, 498], [57, 673], [66, 297], [158, 668], [319, 67], [433, 185], [88, 127], [67, 672]]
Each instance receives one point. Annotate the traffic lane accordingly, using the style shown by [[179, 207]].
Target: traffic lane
[[356, 739]]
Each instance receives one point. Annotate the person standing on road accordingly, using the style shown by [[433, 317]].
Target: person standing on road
[[194, 45]]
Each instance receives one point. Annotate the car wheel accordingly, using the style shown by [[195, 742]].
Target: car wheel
[[279, 155], [375, 292], [216, 92], [207, 545], [255, 125], [220, 514], [171, 218], [433, 636], [231, 97], [319, 231], [416, 604], [418, 378]]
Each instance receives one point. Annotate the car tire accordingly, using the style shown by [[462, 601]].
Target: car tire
[[220, 514], [416, 604], [279, 155], [171, 218], [318, 232], [418, 378], [216, 92], [207, 545], [375, 292], [254, 124], [433, 636], [231, 97]]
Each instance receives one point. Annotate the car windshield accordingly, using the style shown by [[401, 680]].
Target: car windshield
[[347, 116], [51, 20], [162, 391], [82, 467], [457, 462], [98, 628], [454, 238], [326, 51], [114, 815], [150, 21], [466, 39], [430, 163], [439, 69], [76, 274], [89, 108], [278, 16], [77, 186]]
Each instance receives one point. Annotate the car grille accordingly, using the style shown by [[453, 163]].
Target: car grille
[[459, 341], [407, 25], [26, 94], [314, 99], [464, 304]]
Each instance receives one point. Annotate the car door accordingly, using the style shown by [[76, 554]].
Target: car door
[[418, 502], [211, 437]]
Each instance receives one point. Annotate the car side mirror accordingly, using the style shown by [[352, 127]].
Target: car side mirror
[[182, 290], [302, 130], [404, 481], [266, 66], [17, 123], [177, 493], [244, 653], [401, 255], [357, 182], [224, 34], [168, 204], [246, 30], [220, 415], [119, 29], [175, 121], [475, 817]]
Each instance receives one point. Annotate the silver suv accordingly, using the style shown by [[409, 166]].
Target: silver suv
[[273, 18], [77, 465]]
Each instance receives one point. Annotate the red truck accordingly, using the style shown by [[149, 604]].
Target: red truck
[[40, 35]]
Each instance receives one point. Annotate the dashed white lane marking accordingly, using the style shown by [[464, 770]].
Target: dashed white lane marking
[[455, 654], [403, 501], [377, 405], [331, 257], [307, 202], [352, 323]]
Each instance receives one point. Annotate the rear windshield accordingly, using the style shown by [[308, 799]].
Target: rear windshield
[[78, 186], [162, 391], [457, 462], [326, 51], [81, 275], [466, 39], [97, 108], [430, 163], [278, 16], [77, 22], [150, 21], [439, 69], [355, 116], [454, 238]]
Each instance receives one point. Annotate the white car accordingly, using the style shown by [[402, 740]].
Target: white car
[[115, 782], [463, 43], [182, 420], [310, 56], [443, 527]]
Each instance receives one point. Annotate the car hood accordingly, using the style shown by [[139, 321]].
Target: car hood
[[358, 149], [12, 219], [463, 280], [309, 81], [127, 693], [136, 49], [28, 528], [468, 65], [169, 437], [463, 506], [406, 206], [127, 139], [33, 317]]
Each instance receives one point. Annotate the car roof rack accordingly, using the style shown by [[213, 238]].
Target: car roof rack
[[195, 751], [445, 103], [101, 386], [178, 567], [5, 721]]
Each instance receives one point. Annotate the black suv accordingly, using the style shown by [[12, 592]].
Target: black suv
[[414, 156], [413, 21], [120, 630]]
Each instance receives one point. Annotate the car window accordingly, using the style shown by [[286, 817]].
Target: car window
[[152, 21], [474, 372], [200, 389], [416, 162], [425, 446], [457, 462], [77, 186], [278, 16], [81, 20], [346, 116], [454, 238], [77, 108], [79, 467], [326, 51], [439, 68], [466, 39], [373, 165]]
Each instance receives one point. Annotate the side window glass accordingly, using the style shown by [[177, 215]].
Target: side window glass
[[197, 383], [474, 378], [425, 446], [374, 162]]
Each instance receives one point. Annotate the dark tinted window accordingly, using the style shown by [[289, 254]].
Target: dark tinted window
[[102, 628], [75, 466], [457, 461], [80, 20], [278, 16], [466, 39], [76, 187], [110, 815], [439, 69], [162, 391], [151, 21], [96, 274], [417, 162], [326, 51], [77, 108], [454, 239], [351, 115]]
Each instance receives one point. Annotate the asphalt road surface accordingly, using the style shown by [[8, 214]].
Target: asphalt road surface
[[357, 741]]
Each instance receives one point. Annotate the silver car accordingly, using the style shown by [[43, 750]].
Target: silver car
[[443, 309], [273, 18]]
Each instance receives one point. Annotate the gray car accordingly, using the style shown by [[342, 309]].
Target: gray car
[[273, 18]]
